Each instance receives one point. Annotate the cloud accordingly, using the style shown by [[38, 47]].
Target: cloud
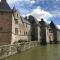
[[56, 13], [40, 13], [28, 1], [58, 26], [57, 0], [33, 2], [21, 3]]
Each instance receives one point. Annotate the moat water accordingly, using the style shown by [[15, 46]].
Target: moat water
[[48, 52]]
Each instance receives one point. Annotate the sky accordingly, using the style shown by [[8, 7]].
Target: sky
[[49, 10]]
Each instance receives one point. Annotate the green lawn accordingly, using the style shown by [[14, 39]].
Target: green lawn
[[49, 52]]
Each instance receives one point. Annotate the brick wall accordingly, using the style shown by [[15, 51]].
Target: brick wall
[[5, 27]]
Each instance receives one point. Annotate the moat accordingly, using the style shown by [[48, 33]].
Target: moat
[[48, 52]]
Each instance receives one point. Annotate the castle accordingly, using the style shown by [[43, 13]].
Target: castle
[[15, 28]]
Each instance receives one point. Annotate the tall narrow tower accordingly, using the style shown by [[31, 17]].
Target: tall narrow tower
[[43, 32], [5, 23]]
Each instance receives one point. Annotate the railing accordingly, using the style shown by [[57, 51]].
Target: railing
[[8, 50]]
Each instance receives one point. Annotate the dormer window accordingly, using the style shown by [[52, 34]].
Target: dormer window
[[16, 21], [50, 30]]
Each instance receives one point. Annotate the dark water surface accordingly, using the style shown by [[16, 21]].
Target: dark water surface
[[48, 52]]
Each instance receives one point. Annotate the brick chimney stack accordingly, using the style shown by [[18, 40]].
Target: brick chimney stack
[[42, 19]]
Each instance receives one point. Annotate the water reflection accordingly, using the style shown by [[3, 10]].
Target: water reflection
[[49, 52]]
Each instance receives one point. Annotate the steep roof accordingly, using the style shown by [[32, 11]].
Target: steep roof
[[53, 25], [32, 19], [4, 6], [25, 20]]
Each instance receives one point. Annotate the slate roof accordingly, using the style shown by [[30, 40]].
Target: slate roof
[[5, 7], [53, 25], [25, 20], [33, 19]]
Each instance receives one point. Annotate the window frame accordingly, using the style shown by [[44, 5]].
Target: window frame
[[16, 31]]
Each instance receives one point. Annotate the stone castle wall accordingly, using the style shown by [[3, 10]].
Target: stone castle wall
[[5, 27]]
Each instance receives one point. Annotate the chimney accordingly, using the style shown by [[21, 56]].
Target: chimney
[[42, 19], [26, 17], [3, 1]]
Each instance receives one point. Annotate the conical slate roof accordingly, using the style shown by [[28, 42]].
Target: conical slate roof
[[4, 6], [53, 25]]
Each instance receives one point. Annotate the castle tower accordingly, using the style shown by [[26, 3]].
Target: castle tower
[[5, 23], [43, 32], [4, 6]]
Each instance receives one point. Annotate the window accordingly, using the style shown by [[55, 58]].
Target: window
[[16, 21], [16, 31], [26, 25], [20, 31], [50, 30], [17, 15], [24, 32]]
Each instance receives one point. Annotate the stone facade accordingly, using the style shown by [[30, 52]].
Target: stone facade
[[58, 35], [20, 28], [49, 33], [14, 28]]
